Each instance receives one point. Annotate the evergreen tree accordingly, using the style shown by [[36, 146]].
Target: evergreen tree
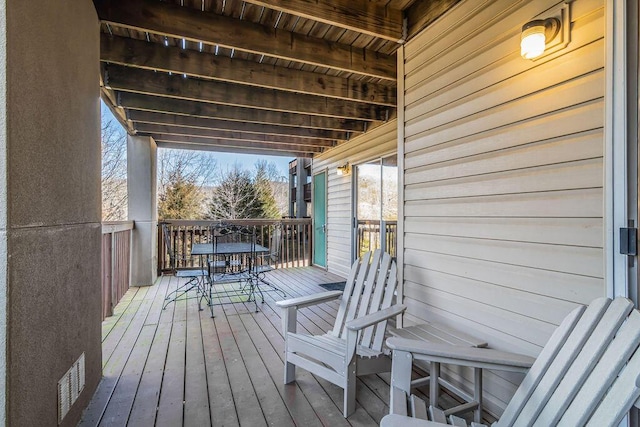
[[262, 182], [181, 199]]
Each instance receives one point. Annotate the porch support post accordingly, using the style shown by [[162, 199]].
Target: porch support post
[[141, 186], [50, 225], [292, 203], [301, 210]]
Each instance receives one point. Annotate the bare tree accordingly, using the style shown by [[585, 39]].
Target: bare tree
[[247, 194], [182, 175], [235, 196], [114, 170]]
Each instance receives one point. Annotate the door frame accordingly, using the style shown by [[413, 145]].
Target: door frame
[[354, 204], [621, 144]]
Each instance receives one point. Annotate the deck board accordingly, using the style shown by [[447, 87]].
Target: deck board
[[196, 396], [180, 367], [143, 412]]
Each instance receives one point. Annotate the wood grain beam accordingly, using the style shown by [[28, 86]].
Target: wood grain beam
[[109, 98], [362, 16], [147, 82], [237, 150], [232, 135], [191, 24], [154, 56], [233, 143], [423, 12], [200, 109], [150, 117]]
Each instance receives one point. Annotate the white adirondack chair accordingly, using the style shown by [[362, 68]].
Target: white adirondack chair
[[588, 373], [355, 345]]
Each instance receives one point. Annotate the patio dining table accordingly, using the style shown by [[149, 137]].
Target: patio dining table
[[246, 273], [229, 248]]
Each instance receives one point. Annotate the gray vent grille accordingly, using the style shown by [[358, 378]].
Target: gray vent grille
[[70, 386]]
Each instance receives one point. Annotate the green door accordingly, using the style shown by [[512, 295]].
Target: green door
[[320, 219]]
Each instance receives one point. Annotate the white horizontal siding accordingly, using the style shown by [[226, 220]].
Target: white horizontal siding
[[376, 143], [503, 177]]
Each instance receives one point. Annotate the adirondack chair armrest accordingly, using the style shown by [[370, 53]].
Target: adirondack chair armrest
[[309, 300], [461, 355], [377, 317]]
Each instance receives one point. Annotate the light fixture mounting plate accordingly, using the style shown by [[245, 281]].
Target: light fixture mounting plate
[[557, 22]]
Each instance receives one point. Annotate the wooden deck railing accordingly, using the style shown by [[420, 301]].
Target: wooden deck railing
[[295, 250], [116, 263]]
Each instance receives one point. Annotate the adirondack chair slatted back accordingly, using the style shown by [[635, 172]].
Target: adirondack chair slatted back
[[569, 382], [379, 337], [624, 348], [369, 288], [362, 263]]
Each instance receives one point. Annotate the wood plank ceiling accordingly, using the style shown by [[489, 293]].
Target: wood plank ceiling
[[277, 77]]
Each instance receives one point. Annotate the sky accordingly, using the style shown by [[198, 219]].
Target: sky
[[228, 159]]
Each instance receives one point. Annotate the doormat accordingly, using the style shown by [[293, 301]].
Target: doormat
[[336, 286]]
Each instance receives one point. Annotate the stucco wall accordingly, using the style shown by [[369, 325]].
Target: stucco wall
[[51, 200]]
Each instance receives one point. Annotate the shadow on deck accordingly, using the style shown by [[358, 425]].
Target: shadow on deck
[[179, 366]]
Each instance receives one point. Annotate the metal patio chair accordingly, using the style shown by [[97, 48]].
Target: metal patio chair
[[265, 262], [195, 275]]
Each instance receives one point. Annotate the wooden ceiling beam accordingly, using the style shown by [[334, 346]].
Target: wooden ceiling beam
[[362, 16], [136, 101], [159, 137], [109, 98], [154, 56], [422, 13], [232, 135], [236, 150], [138, 80], [191, 24], [150, 117]]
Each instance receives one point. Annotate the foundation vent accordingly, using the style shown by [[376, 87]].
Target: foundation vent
[[69, 387]]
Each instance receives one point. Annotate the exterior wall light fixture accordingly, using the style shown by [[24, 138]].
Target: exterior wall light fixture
[[344, 169], [536, 34], [546, 33]]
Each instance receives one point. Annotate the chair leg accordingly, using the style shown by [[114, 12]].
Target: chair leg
[[182, 290], [434, 389], [271, 285], [350, 390], [477, 394], [289, 372]]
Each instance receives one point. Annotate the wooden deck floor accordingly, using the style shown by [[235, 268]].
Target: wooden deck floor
[[179, 366]]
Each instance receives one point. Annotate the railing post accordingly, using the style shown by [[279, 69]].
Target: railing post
[[107, 275], [116, 263], [113, 239]]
